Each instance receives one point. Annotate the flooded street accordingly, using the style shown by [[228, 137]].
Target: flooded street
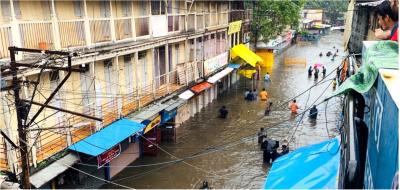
[[225, 152]]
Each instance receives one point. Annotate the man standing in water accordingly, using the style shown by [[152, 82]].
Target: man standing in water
[[263, 95], [293, 107], [313, 113], [261, 135], [223, 112], [268, 108]]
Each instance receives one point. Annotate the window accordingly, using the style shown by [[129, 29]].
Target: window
[[177, 53], [17, 9], [155, 7], [169, 7], [143, 8], [142, 61], [199, 48], [78, 8], [126, 8], [158, 7], [105, 9], [177, 6], [54, 76], [5, 8], [108, 75], [128, 73]]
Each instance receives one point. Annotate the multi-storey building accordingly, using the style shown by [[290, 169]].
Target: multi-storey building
[[132, 54]]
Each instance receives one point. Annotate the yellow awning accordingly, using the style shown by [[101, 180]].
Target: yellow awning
[[241, 51], [247, 73]]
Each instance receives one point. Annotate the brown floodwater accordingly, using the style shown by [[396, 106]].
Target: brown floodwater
[[237, 163]]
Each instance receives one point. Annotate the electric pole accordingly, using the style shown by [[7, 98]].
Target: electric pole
[[21, 115]]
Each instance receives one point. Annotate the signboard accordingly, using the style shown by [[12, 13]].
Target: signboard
[[215, 63], [234, 27], [156, 121], [108, 155]]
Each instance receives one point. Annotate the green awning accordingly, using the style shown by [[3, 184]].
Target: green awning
[[381, 55]]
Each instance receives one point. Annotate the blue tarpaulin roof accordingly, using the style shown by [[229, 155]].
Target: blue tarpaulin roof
[[234, 65], [106, 138], [311, 167]]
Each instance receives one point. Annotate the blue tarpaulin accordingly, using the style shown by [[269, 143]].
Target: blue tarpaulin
[[311, 167], [106, 138], [234, 65]]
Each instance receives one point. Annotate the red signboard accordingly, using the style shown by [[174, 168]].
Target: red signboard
[[108, 155]]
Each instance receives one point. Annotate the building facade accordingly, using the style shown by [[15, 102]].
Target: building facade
[[132, 54]]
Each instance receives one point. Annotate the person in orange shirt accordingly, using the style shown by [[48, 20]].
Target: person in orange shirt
[[293, 107], [263, 95]]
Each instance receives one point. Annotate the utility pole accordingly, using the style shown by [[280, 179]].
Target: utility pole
[[21, 115], [23, 106]]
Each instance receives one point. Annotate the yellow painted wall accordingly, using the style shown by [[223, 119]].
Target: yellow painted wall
[[34, 10], [267, 56], [93, 9], [65, 10]]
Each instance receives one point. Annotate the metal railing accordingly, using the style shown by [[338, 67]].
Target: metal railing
[[100, 30], [3, 154], [5, 40], [123, 28], [37, 34], [72, 33], [76, 128]]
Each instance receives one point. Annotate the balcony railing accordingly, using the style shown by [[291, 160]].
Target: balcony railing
[[100, 30], [3, 155], [223, 18], [236, 15], [52, 141], [72, 33], [249, 14], [123, 28], [37, 34], [5, 41]]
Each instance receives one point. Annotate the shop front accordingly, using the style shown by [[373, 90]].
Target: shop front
[[168, 120], [114, 145], [152, 136]]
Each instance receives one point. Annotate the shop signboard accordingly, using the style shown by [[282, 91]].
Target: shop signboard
[[154, 123], [210, 65], [108, 155], [234, 27]]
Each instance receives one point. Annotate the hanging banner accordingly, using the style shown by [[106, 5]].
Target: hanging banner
[[156, 121], [234, 27], [108, 155], [215, 63]]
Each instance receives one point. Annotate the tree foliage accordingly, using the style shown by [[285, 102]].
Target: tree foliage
[[332, 8], [271, 17]]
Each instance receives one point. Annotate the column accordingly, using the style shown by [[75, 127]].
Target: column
[[15, 32], [167, 69], [30, 134], [88, 36], [137, 78], [11, 154], [118, 90], [98, 95], [112, 26], [54, 26]]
